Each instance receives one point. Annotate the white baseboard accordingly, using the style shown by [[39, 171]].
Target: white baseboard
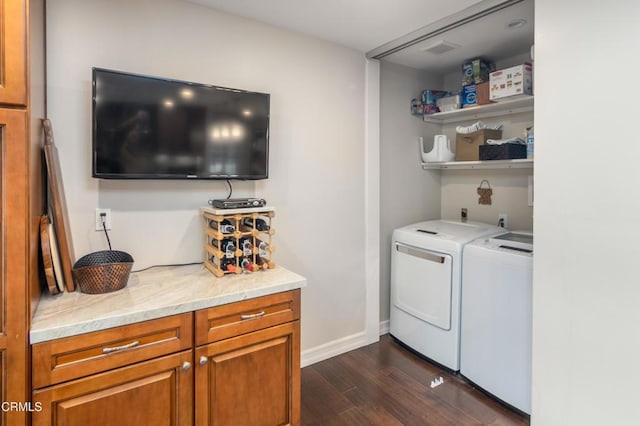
[[339, 346], [384, 327], [331, 349]]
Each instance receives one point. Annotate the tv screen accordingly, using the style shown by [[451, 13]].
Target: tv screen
[[155, 128]]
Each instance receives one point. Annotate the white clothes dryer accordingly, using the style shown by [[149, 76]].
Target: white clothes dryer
[[495, 348], [426, 269]]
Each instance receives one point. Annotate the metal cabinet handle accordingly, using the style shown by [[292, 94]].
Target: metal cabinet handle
[[249, 316], [186, 366], [120, 348], [203, 360]]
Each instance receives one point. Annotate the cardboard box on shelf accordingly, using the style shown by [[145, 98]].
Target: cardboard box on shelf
[[476, 71], [467, 144], [475, 94], [510, 82]]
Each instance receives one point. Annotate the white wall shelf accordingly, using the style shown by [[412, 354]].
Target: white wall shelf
[[524, 163], [496, 109]]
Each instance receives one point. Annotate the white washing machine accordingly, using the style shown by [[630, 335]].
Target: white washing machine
[[495, 351], [426, 268]]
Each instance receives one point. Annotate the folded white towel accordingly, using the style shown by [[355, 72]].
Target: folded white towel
[[478, 125], [503, 141]]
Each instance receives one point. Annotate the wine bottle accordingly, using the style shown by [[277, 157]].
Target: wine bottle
[[261, 262], [226, 245], [246, 246], [225, 264], [225, 226], [247, 265], [260, 224], [263, 248]]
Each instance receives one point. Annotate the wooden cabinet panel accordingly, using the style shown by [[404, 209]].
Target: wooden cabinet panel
[[253, 379], [156, 392], [13, 52], [3, 389], [14, 207], [222, 322], [72, 357]]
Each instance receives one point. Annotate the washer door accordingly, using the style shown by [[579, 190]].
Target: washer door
[[421, 284]]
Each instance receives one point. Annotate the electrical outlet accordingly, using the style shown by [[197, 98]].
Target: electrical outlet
[[107, 219], [502, 220], [463, 214]]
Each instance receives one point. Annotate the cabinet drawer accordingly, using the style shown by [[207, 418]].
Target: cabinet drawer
[[234, 319], [69, 358]]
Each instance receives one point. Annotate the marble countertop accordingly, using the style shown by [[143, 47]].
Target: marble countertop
[[150, 294]]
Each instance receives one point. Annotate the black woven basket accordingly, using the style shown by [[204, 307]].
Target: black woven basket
[[102, 271]]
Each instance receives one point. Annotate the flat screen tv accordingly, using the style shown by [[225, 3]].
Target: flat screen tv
[[156, 128]]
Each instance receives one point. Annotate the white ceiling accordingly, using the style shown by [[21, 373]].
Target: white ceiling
[[373, 26], [360, 24]]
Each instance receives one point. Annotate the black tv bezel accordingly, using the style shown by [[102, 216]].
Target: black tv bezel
[[161, 176]]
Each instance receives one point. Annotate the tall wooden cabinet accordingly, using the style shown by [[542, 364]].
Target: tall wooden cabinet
[[21, 194]]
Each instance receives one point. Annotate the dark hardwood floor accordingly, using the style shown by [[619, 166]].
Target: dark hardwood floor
[[385, 384]]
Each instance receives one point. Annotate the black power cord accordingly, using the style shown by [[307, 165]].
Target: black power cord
[[230, 189], [170, 264], [103, 219]]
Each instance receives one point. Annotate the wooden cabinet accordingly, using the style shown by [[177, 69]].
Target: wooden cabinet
[[136, 374], [13, 45], [234, 319], [248, 362], [69, 358], [21, 196], [253, 379], [156, 392], [13, 269], [234, 364]]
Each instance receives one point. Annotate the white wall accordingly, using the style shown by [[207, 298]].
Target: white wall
[[408, 194], [586, 343], [317, 141], [509, 196]]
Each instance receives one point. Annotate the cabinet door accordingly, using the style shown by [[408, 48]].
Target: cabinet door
[[253, 379], [13, 42], [14, 205], [157, 392]]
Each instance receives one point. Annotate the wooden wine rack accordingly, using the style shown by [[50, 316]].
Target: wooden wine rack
[[260, 259]]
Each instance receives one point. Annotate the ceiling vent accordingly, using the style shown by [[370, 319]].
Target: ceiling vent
[[440, 47]]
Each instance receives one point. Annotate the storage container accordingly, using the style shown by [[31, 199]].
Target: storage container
[[510, 82], [476, 71], [467, 145], [475, 94], [429, 99], [102, 271], [505, 151], [448, 103]]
